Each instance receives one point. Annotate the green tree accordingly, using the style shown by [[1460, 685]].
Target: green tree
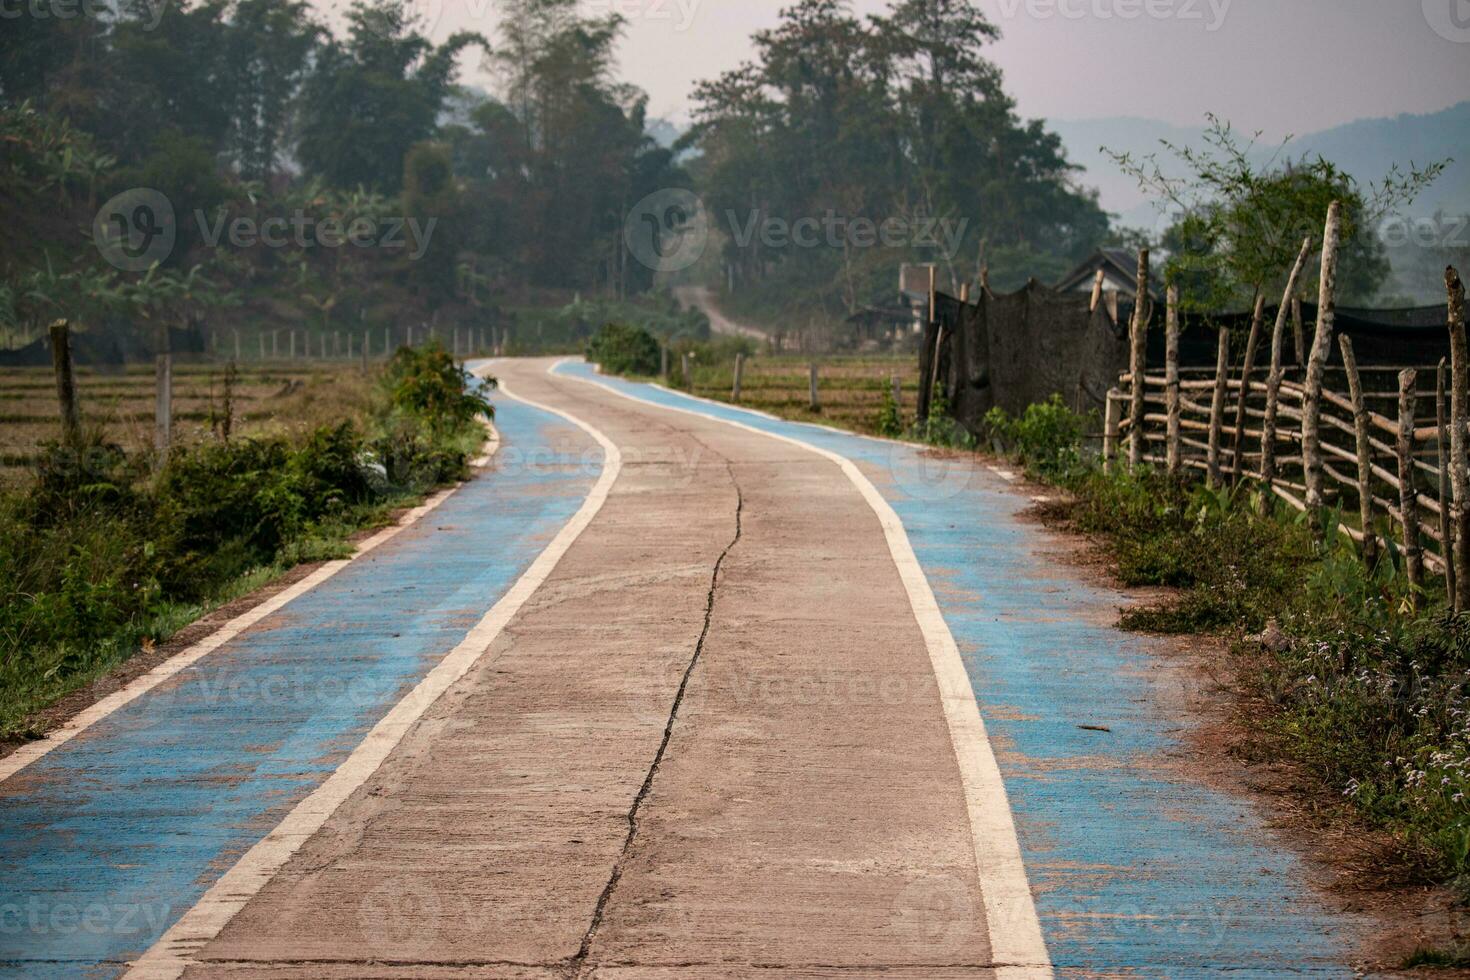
[[371, 97]]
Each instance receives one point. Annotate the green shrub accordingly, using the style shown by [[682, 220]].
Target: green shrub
[[1047, 437], [622, 349], [100, 554]]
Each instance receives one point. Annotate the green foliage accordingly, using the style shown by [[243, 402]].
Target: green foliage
[[939, 429], [889, 422], [621, 349], [1047, 437], [895, 117], [1369, 696], [427, 383], [1238, 226], [99, 554]]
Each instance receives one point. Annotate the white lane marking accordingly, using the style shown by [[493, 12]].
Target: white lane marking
[[173, 953], [1015, 930], [142, 684]]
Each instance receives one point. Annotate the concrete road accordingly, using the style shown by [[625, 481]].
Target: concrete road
[[671, 690], [642, 778]]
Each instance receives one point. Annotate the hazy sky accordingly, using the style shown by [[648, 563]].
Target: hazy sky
[[1279, 65]]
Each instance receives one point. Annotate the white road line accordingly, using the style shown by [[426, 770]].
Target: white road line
[[138, 686], [1016, 941], [173, 953]]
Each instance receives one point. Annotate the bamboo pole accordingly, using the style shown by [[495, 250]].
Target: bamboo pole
[[1277, 373], [1137, 363], [1364, 449], [739, 373], [1171, 374], [1112, 416], [1317, 365], [66, 385], [1408, 495], [1446, 520], [1097, 289], [1252, 344], [1217, 406], [1459, 409]]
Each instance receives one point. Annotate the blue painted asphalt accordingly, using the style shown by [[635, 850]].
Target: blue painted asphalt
[[111, 837], [1137, 871]]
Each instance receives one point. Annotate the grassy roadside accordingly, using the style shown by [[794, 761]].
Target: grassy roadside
[[102, 553], [1333, 667]]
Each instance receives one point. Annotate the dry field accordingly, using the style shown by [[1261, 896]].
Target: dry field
[[850, 388], [120, 402]]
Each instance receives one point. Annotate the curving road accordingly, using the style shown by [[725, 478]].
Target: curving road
[[672, 690]]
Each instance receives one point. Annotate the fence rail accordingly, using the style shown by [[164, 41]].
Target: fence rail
[[1400, 473]]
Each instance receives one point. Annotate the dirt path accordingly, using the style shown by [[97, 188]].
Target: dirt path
[[701, 298]]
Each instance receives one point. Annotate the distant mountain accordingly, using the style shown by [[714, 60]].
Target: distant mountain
[[1366, 149]]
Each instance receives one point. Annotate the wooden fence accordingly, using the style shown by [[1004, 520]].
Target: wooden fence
[[1388, 446]]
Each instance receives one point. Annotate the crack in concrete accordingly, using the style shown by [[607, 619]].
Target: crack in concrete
[[579, 962]]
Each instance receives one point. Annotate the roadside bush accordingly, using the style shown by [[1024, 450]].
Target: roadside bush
[[622, 349], [1047, 437], [99, 555]]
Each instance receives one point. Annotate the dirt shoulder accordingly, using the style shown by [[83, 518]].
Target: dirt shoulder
[[1350, 867]]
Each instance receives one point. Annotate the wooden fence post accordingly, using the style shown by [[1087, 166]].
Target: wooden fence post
[[163, 382], [1317, 367], [816, 398], [1408, 495], [1171, 376], [895, 385], [261, 337], [663, 361], [1111, 420], [1446, 522], [1217, 406], [387, 341], [1459, 410], [293, 345], [1252, 344], [66, 385], [739, 373], [1138, 364], [1364, 447], [688, 376], [1277, 375], [366, 343]]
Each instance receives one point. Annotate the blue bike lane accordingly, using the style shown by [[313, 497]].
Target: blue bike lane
[[1136, 870], [108, 839]]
